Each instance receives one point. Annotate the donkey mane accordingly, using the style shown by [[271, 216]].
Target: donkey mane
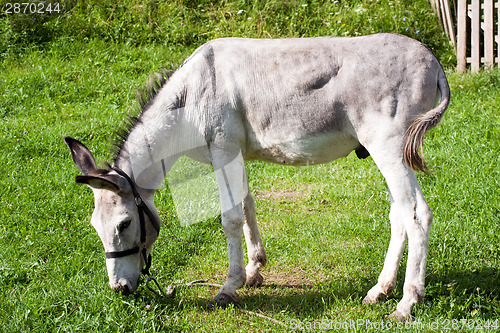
[[145, 97]]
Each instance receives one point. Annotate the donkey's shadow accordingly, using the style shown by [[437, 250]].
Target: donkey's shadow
[[468, 291]]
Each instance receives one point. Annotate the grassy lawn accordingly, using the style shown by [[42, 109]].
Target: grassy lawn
[[325, 228]]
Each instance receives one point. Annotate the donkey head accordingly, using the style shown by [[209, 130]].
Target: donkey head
[[117, 218]]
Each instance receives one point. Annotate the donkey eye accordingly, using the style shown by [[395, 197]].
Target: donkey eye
[[124, 225]]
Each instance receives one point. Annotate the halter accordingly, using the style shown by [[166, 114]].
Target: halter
[[141, 208]]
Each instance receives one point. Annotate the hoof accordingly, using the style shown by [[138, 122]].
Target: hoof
[[379, 299], [254, 281], [221, 300], [398, 316]]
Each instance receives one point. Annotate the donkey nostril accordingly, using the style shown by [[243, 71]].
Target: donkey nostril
[[125, 290], [125, 286], [117, 288]]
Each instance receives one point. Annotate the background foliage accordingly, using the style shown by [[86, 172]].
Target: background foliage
[[187, 23]]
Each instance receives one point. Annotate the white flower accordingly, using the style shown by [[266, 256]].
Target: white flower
[[360, 9]]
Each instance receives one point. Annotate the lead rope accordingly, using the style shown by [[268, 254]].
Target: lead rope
[[171, 294], [171, 289]]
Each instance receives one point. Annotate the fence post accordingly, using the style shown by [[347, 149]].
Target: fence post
[[489, 55], [448, 23], [462, 36], [475, 35]]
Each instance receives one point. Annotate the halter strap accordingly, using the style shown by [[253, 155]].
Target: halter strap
[[141, 208], [139, 202], [119, 254]]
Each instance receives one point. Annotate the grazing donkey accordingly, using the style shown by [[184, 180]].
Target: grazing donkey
[[288, 101]]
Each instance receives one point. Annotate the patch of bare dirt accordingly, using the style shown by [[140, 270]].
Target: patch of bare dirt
[[287, 194], [281, 194], [289, 278]]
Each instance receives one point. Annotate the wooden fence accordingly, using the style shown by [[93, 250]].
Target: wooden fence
[[443, 11], [478, 35]]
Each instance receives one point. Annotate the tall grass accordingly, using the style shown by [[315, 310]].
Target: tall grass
[[183, 23]]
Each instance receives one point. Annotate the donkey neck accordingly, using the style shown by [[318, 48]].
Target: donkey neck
[[163, 132], [145, 152]]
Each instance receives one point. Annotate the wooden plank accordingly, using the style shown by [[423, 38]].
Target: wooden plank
[[475, 35], [449, 22], [462, 36], [443, 17], [433, 4], [437, 3], [489, 55]]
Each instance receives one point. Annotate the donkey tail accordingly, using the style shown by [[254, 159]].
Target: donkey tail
[[414, 136]]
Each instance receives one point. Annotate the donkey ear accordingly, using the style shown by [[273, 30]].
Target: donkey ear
[[81, 155], [104, 180]]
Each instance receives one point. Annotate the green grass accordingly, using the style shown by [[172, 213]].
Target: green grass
[[188, 23], [325, 228]]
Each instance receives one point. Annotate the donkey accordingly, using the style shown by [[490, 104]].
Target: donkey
[[288, 101]]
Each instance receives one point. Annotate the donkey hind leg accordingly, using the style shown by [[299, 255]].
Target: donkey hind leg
[[255, 249], [387, 278], [233, 189], [411, 218]]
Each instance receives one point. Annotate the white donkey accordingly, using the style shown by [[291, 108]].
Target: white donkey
[[288, 101]]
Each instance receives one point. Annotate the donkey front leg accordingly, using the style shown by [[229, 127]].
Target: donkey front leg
[[233, 189], [232, 222], [255, 249]]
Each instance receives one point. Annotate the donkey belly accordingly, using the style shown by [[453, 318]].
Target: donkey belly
[[315, 149]]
